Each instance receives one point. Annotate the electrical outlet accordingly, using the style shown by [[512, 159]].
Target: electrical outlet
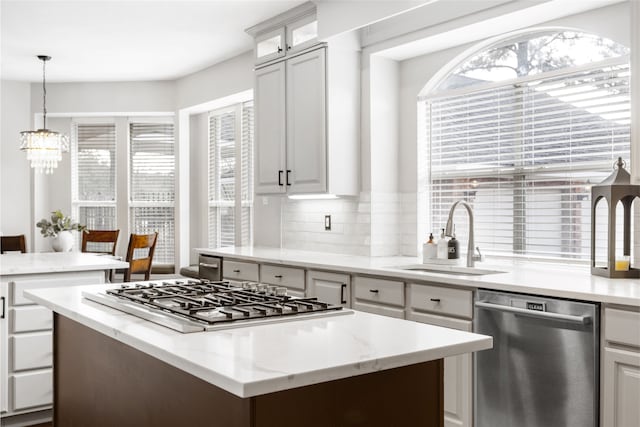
[[327, 222]]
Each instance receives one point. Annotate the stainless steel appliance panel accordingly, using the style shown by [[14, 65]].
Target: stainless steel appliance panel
[[543, 370], [209, 267]]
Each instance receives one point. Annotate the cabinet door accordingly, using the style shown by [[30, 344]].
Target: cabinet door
[[306, 123], [458, 374], [621, 389], [4, 345], [269, 46], [302, 34], [329, 287], [270, 130]]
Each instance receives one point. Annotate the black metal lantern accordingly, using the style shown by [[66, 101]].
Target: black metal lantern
[[616, 188]]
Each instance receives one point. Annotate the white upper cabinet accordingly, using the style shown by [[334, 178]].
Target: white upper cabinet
[[307, 103], [270, 45], [286, 34], [270, 129], [306, 170], [302, 34]]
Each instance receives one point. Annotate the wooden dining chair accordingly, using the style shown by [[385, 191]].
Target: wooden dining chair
[[13, 244], [145, 243], [100, 241]]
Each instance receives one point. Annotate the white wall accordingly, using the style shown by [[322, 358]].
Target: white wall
[[337, 17], [226, 78], [15, 173], [105, 98]]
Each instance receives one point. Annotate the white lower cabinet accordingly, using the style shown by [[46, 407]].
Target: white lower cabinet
[[291, 278], [26, 344], [32, 389], [333, 288], [621, 369], [436, 305], [378, 296]]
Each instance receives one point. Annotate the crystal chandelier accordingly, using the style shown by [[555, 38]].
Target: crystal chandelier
[[44, 147]]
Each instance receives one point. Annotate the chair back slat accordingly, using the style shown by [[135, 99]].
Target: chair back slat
[[13, 244], [100, 241], [140, 264]]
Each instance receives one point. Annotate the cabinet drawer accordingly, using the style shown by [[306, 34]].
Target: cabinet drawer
[[31, 389], [622, 326], [32, 351], [283, 276], [237, 270], [379, 309], [436, 299], [445, 322], [379, 290], [31, 318]]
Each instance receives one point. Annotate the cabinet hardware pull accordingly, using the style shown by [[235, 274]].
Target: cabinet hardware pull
[[343, 297], [2, 298], [280, 178], [373, 291], [288, 47], [278, 276], [279, 49], [236, 271], [287, 177], [435, 299], [206, 265]]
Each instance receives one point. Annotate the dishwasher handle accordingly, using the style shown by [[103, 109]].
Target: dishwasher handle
[[534, 313]]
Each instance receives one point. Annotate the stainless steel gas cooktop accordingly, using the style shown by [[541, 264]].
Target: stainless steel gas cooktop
[[200, 305]]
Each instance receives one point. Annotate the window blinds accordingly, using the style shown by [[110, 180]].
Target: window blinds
[[94, 174], [152, 185], [525, 155], [231, 176]]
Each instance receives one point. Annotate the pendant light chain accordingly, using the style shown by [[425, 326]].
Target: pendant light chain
[[44, 94]]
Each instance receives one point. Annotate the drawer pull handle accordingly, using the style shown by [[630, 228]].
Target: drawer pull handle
[[236, 271], [278, 276], [343, 298], [373, 291], [208, 265], [3, 308], [435, 299]]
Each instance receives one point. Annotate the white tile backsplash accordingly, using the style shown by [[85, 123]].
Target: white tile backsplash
[[373, 224], [303, 225]]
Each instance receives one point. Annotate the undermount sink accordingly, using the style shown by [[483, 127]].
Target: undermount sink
[[448, 269]]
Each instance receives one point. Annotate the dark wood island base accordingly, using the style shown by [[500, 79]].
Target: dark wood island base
[[101, 382]]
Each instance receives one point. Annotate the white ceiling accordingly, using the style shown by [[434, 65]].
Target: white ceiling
[[110, 40]]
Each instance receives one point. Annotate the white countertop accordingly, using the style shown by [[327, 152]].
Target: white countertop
[[549, 279], [254, 360], [56, 262]]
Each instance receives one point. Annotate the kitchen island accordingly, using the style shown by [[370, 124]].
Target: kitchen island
[[25, 329], [350, 369]]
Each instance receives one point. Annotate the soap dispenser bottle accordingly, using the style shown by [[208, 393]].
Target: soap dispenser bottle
[[442, 247], [429, 250], [453, 247]]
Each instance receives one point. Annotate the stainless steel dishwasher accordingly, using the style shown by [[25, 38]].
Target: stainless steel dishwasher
[[543, 370]]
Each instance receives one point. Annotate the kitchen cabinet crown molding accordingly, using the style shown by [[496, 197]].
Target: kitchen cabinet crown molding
[[282, 19]]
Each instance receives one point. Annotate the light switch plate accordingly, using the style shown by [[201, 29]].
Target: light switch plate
[[327, 222]]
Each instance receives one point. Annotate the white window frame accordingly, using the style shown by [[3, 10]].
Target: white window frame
[[75, 203], [147, 204], [238, 204]]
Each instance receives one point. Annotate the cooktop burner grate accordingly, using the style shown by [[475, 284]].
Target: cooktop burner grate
[[208, 303]]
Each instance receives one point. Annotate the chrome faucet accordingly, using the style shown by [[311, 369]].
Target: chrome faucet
[[471, 256]]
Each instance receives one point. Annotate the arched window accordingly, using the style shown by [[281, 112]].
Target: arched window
[[521, 130]]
